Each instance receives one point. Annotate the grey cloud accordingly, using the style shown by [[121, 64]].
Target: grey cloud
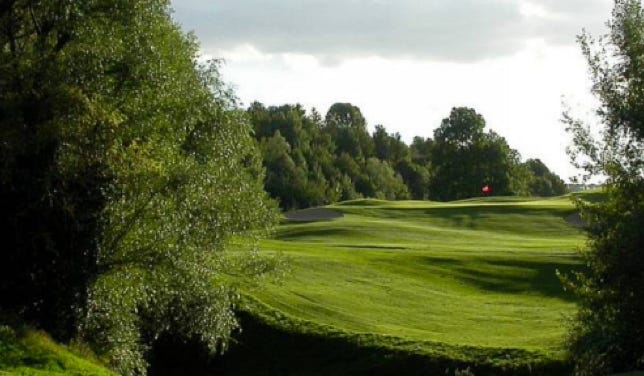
[[449, 30], [571, 16]]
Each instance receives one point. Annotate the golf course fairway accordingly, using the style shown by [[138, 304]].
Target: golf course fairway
[[474, 281]]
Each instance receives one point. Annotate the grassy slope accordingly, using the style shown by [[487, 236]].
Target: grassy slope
[[460, 280], [28, 352]]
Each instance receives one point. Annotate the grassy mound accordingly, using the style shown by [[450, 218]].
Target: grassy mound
[[362, 202], [30, 352], [473, 282]]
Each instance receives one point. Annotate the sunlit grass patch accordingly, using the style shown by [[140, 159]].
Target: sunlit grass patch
[[28, 352], [468, 274]]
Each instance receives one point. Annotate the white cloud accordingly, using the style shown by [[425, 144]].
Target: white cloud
[[531, 9], [332, 30], [406, 63]]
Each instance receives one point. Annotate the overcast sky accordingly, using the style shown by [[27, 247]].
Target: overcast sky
[[406, 63]]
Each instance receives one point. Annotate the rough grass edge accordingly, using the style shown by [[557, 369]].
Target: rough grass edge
[[35, 352], [503, 360]]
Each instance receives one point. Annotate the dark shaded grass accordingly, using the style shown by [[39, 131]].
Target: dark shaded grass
[[268, 350], [497, 219], [523, 276], [461, 216], [363, 246], [297, 232], [363, 202], [591, 196], [501, 199]]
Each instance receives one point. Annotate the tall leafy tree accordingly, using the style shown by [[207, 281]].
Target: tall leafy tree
[[127, 174], [608, 332], [417, 171], [287, 119], [285, 180], [500, 166], [454, 155], [389, 147], [308, 176], [45, 271], [464, 158], [381, 181], [348, 128], [325, 161], [421, 150], [542, 181], [416, 177]]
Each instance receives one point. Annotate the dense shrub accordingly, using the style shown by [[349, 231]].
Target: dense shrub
[[127, 173]]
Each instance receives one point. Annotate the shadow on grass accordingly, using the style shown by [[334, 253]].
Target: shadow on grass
[[537, 221], [367, 246], [591, 196], [475, 216], [510, 276], [264, 350], [297, 232]]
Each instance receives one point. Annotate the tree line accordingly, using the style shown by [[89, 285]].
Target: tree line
[[311, 160]]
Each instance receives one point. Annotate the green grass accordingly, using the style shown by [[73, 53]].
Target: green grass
[[392, 288], [473, 280], [30, 352]]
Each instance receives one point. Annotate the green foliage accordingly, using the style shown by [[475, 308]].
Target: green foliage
[[284, 180], [416, 177], [388, 147], [542, 181], [348, 128], [127, 172], [54, 130], [311, 162], [320, 162], [464, 159], [382, 181], [297, 155], [607, 334], [421, 150]]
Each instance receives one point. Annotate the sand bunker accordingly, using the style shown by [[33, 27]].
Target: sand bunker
[[313, 214]]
